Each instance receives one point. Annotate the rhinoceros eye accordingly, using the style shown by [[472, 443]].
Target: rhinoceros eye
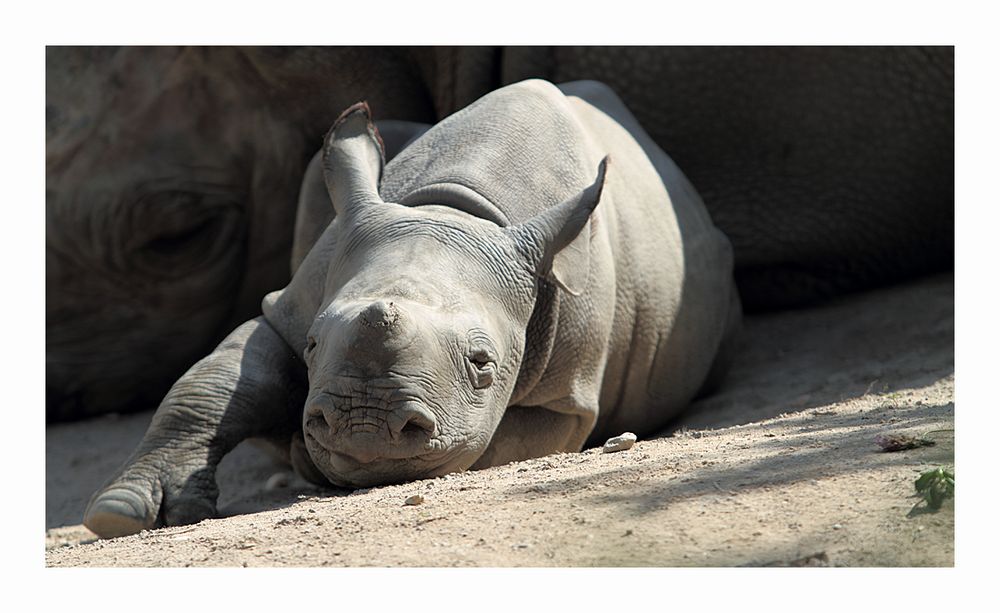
[[183, 231], [481, 367], [183, 238]]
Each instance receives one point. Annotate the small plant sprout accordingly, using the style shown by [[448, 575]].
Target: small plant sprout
[[934, 487]]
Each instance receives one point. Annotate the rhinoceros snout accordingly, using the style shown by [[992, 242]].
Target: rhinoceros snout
[[366, 434]]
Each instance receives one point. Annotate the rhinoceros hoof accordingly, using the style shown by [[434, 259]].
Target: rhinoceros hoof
[[120, 510]]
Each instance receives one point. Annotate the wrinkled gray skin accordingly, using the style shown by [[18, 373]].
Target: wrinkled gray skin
[[172, 173], [480, 299], [830, 169]]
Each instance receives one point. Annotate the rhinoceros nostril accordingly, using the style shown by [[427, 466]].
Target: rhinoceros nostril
[[412, 418]]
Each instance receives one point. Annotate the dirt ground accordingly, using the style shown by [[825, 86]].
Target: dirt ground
[[778, 468]]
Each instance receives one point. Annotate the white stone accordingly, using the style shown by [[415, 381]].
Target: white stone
[[620, 443]]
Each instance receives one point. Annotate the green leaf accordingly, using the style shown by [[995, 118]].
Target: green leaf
[[935, 486]]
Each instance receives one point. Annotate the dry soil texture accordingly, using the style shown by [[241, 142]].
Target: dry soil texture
[[779, 467]]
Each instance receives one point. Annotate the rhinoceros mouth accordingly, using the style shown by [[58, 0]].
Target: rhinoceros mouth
[[365, 445], [384, 466]]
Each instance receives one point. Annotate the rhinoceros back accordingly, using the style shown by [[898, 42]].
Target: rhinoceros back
[[519, 148]]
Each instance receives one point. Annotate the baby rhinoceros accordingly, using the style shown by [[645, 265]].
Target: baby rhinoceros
[[481, 298]]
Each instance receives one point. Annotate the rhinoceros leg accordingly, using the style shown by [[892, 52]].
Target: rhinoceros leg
[[252, 385]]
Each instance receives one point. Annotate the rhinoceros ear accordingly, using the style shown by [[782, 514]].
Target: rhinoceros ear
[[353, 159], [554, 242]]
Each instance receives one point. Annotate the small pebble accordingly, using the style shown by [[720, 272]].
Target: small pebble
[[620, 443], [414, 500], [837, 526]]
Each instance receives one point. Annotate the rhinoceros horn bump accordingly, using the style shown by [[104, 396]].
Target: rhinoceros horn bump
[[379, 315]]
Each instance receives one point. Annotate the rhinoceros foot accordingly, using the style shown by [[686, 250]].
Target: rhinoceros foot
[[142, 499]]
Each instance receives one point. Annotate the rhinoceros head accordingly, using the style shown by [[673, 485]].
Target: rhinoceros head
[[417, 341]]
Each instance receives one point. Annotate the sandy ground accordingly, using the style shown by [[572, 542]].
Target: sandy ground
[[778, 468]]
